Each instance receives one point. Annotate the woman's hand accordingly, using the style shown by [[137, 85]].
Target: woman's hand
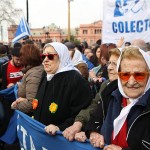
[[9, 85], [99, 79], [69, 133], [14, 105], [112, 147], [80, 137], [97, 140], [20, 99], [51, 129], [120, 42], [16, 102]]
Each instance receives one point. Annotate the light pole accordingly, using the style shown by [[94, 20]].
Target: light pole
[[68, 20]]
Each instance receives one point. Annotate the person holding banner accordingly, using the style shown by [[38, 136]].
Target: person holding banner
[[84, 120], [33, 69], [62, 93], [127, 125]]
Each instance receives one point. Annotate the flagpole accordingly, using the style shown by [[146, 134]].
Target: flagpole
[[27, 5], [68, 20]]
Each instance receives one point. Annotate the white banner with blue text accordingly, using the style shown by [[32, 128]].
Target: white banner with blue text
[[126, 18]]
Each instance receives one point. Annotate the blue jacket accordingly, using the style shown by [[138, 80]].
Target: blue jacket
[[89, 64]]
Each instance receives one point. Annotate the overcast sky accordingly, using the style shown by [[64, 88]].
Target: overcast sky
[[44, 12]]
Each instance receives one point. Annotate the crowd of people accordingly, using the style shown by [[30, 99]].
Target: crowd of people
[[99, 92]]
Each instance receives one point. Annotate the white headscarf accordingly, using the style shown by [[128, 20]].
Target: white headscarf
[[119, 121], [64, 57], [147, 59], [77, 58]]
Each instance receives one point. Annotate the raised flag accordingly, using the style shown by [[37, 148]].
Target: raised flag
[[22, 30]]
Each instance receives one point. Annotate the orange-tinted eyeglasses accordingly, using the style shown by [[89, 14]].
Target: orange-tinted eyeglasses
[[138, 76], [50, 56]]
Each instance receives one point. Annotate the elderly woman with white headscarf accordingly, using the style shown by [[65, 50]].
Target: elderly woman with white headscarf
[[127, 125], [62, 92]]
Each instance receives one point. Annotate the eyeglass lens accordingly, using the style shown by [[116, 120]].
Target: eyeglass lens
[[139, 76]]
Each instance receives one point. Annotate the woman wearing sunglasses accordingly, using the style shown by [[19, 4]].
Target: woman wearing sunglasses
[[91, 118], [126, 125], [62, 92]]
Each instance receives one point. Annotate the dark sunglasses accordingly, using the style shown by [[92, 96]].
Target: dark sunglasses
[[49, 56], [138, 76]]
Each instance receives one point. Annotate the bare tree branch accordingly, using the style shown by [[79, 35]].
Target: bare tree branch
[[8, 13]]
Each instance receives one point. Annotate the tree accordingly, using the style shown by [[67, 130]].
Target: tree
[[74, 40], [7, 12]]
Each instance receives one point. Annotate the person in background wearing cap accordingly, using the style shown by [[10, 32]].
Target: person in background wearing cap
[[11, 70]]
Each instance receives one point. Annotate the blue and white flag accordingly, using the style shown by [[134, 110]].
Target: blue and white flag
[[126, 18], [22, 30]]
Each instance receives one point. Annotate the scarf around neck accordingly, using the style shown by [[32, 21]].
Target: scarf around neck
[[119, 121]]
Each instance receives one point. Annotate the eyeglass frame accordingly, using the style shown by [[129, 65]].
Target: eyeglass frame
[[48, 56], [134, 75]]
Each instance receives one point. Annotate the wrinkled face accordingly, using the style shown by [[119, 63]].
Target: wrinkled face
[[51, 66], [98, 52], [134, 88], [112, 67], [16, 61]]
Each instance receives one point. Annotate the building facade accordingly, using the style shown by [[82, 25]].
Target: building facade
[[85, 32], [90, 33]]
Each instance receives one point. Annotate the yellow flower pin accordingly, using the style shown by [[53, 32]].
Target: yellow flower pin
[[53, 107]]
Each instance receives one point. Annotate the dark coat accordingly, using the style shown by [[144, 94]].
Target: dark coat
[[98, 116], [5, 103], [3, 75], [70, 91]]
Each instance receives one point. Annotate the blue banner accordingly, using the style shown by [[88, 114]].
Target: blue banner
[[10, 93], [31, 135]]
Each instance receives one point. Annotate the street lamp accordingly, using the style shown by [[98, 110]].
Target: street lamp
[[69, 19]]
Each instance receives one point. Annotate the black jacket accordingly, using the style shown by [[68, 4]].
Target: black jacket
[[3, 75], [98, 116], [70, 91]]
